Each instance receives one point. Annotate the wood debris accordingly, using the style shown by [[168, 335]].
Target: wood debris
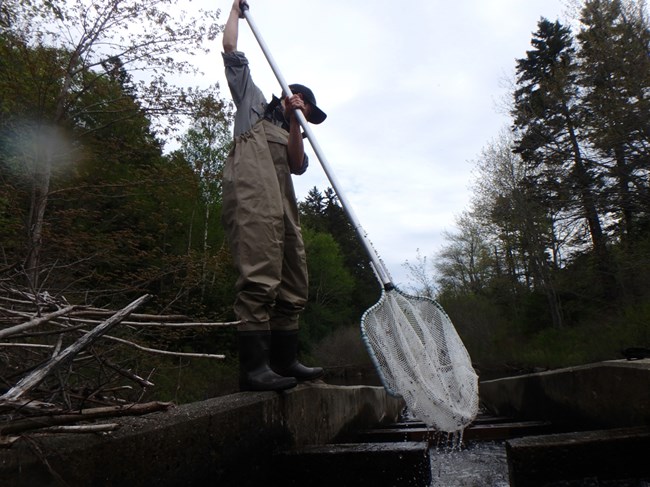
[[57, 359]]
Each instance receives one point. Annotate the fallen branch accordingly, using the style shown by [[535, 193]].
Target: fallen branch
[[85, 428], [88, 311], [34, 378], [30, 424], [163, 352], [27, 406], [166, 324], [35, 322], [126, 373], [57, 357], [26, 345], [189, 324]]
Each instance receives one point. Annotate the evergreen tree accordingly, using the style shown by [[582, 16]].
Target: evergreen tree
[[615, 56], [548, 122]]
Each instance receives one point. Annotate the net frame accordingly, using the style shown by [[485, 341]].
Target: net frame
[[420, 357]]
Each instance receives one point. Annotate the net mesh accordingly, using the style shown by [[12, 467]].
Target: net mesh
[[420, 357]]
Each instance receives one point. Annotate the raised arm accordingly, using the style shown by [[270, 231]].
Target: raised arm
[[231, 31]]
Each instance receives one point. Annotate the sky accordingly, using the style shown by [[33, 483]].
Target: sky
[[414, 91]]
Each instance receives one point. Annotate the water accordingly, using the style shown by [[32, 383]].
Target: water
[[477, 465], [594, 482], [486, 465]]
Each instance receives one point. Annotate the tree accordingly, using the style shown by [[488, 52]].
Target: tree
[[207, 142], [465, 264], [557, 231], [65, 50], [322, 212], [420, 274], [524, 226], [330, 285], [615, 53], [313, 210], [549, 136], [205, 147]]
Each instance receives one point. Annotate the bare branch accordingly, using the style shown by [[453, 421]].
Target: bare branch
[[85, 428], [163, 352], [28, 424], [127, 373], [35, 322], [39, 374]]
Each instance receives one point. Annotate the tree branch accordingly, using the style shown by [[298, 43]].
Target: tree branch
[[34, 378], [35, 322], [28, 424]]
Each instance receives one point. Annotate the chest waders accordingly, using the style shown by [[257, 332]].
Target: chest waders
[[260, 215]]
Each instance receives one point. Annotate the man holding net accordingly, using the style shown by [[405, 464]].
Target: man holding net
[[260, 215]]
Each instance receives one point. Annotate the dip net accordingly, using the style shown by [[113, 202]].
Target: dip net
[[415, 348], [420, 357]]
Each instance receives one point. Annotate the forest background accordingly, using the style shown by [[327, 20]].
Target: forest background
[[548, 267]]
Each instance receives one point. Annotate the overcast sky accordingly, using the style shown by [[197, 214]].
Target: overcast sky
[[414, 90]]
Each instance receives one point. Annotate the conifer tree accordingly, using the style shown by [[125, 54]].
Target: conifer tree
[[615, 76], [550, 135]]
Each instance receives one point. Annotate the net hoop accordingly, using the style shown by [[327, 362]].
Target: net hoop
[[420, 357]]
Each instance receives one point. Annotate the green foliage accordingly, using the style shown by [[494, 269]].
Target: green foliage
[[322, 212], [88, 198], [479, 322], [614, 45], [330, 286], [206, 144]]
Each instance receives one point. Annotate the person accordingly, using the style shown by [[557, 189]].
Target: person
[[260, 216]]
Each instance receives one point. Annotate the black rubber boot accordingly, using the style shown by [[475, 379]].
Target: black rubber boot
[[254, 371], [284, 357]]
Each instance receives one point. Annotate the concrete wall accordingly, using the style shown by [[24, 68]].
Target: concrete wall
[[607, 394], [228, 440]]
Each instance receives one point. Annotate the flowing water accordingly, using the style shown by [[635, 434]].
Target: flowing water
[[479, 465], [485, 465]]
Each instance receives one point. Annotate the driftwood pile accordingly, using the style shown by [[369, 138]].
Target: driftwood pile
[[58, 367]]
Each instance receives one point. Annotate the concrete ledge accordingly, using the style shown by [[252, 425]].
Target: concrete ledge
[[611, 394], [607, 454], [228, 439]]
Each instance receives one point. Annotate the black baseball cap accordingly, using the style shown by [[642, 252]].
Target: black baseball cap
[[317, 115]]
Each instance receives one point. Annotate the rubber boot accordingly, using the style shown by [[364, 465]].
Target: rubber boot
[[284, 357], [254, 371]]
